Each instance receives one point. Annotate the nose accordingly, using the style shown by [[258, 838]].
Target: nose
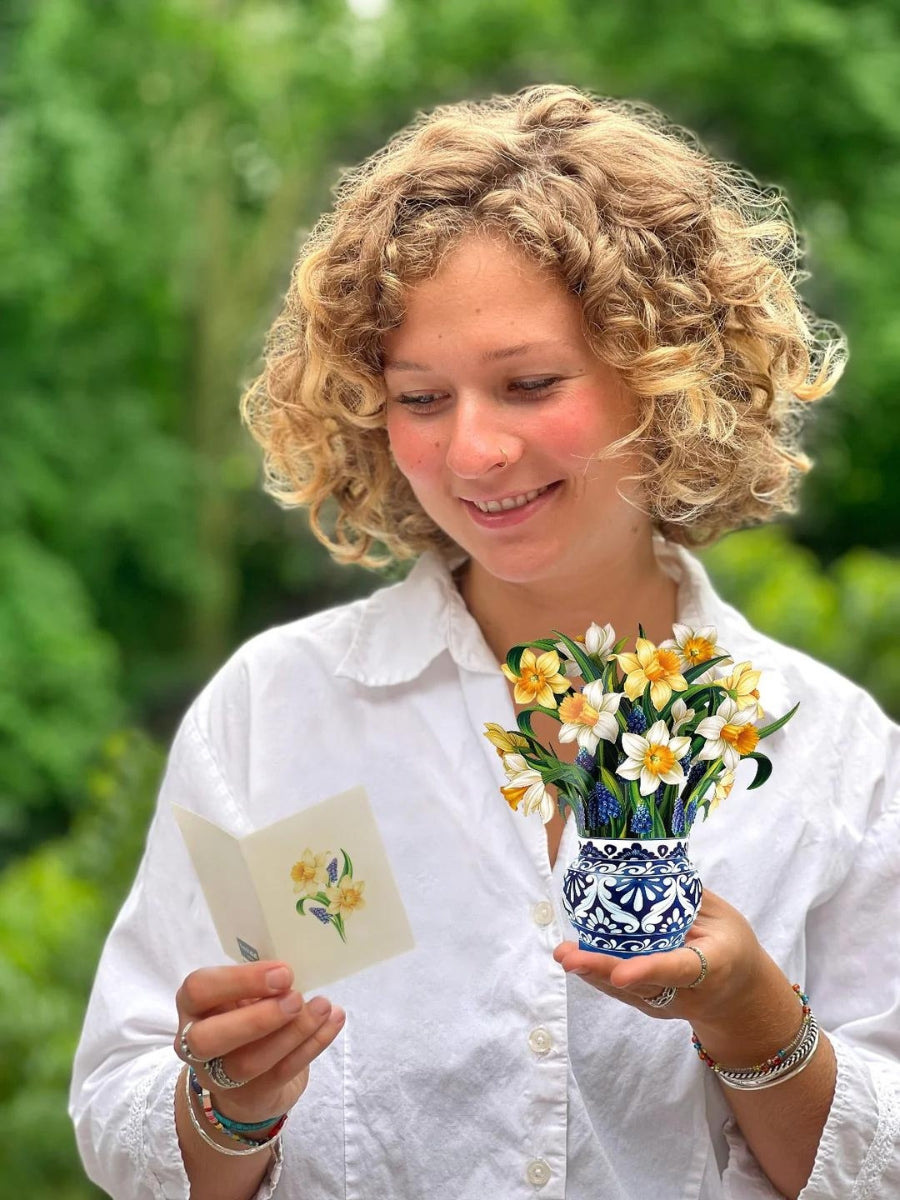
[[481, 440]]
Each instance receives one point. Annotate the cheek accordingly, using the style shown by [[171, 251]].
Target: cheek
[[416, 451]]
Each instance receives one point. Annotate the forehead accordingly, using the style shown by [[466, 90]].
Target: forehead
[[486, 285]]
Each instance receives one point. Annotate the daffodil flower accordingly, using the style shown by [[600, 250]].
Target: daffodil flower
[[346, 896], [742, 687], [504, 741], [653, 758], [526, 784], [696, 646], [590, 715], [658, 666], [679, 714], [599, 641], [730, 734], [538, 678], [310, 871], [723, 786]]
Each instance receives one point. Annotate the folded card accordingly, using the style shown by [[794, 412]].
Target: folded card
[[315, 890]]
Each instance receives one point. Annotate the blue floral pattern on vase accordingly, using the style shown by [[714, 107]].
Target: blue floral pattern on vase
[[626, 896]]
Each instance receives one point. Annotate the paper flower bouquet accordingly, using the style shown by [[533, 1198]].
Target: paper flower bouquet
[[660, 732]]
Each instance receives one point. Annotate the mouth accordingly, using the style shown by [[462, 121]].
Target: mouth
[[510, 502], [510, 510]]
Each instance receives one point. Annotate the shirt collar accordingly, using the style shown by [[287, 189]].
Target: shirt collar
[[405, 627]]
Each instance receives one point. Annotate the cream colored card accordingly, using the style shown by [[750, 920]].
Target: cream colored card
[[315, 889]]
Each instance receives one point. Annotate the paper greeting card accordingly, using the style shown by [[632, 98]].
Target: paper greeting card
[[315, 890]]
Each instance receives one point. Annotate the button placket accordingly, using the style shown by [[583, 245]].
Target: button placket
[[540, 1041], [542, 913]]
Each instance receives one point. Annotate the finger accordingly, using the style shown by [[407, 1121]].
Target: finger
[[221, 1033], [672, 968], [256, 1037], [216, 987], [300, 1057]]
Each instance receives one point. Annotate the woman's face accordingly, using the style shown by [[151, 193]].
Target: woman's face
[[494, 396]]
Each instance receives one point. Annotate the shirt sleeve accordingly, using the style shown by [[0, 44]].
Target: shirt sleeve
[[853, 972], [125, 1070]]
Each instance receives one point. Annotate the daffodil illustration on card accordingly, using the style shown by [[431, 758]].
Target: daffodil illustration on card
[[325, 894], [660, 730]]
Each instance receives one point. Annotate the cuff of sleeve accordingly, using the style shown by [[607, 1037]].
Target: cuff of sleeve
[[159, 1148], [858, 1151]]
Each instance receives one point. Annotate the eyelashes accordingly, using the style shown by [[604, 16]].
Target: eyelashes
[[426, 400]]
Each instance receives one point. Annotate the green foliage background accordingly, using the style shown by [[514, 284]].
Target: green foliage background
[[158, 161]]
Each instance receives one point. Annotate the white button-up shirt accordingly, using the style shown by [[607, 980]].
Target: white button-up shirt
[[473, 1068]]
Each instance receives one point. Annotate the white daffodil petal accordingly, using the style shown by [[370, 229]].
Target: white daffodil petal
[[712, 749], [649, 782], [588, 739], [711, 727], [679, 746], [629, 769], [607, 727], [657, 734], [634, 745]]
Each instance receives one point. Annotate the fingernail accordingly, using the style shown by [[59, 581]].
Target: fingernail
[[278, 979], [338, 1016], [319, 1006], [291, 1003], [580, 971]]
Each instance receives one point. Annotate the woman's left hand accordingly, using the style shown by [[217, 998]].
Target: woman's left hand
[[720, 933]]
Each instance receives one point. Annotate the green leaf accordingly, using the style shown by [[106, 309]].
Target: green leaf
[[763, 770], [347, 872], [610, 782], [767, 729], [338, 921], [693, 672], [589, 669]]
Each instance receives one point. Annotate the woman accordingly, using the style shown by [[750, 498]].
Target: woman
[[542, 343]]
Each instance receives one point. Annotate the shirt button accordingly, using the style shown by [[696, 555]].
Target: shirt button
[[537, 1172], [540, 1041], [543, 913]]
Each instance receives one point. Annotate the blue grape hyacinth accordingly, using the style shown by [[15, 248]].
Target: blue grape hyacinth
[[641, 821], [636, 721], [605, 805]]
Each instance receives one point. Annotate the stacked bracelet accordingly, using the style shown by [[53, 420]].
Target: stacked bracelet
[[783, 1065], [231, 1129]]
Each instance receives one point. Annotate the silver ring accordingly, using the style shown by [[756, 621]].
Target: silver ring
[[505, 462], [184, 1050], [666, 996], [220, 1077], [704, 966]]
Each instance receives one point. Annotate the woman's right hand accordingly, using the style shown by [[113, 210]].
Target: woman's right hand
[[265, 1033]]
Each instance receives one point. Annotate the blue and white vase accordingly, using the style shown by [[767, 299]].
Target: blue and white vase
[[628, 896]]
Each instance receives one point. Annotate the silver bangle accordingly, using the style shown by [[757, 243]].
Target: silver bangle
[[757, 1081], [195, 1121]]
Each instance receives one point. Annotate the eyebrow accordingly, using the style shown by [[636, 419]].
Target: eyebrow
[[498, 355]]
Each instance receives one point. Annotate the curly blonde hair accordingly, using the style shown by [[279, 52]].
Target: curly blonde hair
[[686, 271]]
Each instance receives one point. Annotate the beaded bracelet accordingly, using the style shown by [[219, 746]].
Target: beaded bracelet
[[783, 1065], [274, 1126], [252, 1148]]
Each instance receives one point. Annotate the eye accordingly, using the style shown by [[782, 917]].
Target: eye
[[420, 401], [535, 385]]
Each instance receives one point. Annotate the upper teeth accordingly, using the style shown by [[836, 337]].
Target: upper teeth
[[510, 501]]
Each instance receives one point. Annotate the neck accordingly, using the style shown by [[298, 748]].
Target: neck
[[624, 590]]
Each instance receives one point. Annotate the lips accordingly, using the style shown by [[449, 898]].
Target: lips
[[511, 508], [509, 502]]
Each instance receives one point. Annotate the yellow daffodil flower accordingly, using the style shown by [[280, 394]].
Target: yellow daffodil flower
[[658, 666], [724, 784], [653, 757], [742, 687], [538, 679], [346, 896], [310, 871], [730, 734], [504, 741]]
